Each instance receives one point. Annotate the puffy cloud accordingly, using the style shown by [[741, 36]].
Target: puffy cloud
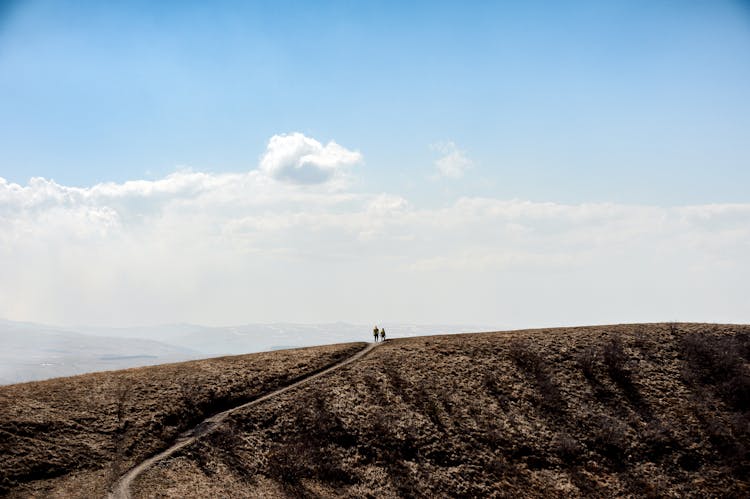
[[299, 159], [453, 162]]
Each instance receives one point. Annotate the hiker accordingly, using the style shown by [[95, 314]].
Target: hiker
[[375, 333], [382, 334]]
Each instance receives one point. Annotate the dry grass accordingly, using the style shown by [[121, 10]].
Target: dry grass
[[72, 437], [633, 410]]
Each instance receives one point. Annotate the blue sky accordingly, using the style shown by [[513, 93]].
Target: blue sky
[[581, 101], [231, 162]]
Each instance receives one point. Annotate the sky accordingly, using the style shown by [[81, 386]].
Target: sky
[[515, 164]]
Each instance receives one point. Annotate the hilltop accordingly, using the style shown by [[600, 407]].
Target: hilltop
[[34, 352], [627, 410]]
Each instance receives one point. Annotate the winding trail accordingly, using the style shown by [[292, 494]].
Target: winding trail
[[121, 489]]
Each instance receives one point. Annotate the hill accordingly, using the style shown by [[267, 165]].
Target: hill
[[633, 410], [33, 351], [72, 437], [645, 410]]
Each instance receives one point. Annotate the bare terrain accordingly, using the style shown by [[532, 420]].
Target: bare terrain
[[74, 437], [649, 410], [645, 410]]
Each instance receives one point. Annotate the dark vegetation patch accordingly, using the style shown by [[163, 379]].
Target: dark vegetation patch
[[717, 370], [620, 368], [293, 457], [719, 364], [536, 367]]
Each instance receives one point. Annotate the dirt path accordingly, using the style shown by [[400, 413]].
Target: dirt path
[[121, 489]]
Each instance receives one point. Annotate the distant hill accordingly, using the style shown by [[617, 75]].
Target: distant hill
[[33, 352], [643, 410]]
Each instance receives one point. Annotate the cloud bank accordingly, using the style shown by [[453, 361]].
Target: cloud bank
[[259, 246]]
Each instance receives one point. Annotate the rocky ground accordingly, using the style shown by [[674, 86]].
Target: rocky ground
[[651, 410], [72, 437]]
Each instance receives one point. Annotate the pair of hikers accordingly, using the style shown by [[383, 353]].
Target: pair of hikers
[[376, 332]]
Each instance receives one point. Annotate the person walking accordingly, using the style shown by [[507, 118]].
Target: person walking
[[375, 333], [382, 334]]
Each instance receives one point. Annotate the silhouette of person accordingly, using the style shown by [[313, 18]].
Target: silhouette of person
[[382, 334], [375, 333]]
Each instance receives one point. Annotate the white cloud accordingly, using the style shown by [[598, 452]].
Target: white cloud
[[453, 162], [299, 159], [233, 248]]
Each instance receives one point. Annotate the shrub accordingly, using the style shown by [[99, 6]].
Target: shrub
[[610, 438], [719, 362], [534, 365], [287, 463], [723, 441], [619, 368], [567, 448], [525, 356], [616, 360], [586, 360], [497, 390], [658, 440], [429, 405]]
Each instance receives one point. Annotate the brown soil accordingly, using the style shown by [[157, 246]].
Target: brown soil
[[73, 437], [648, 410]]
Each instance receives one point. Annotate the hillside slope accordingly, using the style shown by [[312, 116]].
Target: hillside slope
[[629, 410], [73, 437]]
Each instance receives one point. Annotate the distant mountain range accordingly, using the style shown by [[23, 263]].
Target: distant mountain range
[[34, 351]]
